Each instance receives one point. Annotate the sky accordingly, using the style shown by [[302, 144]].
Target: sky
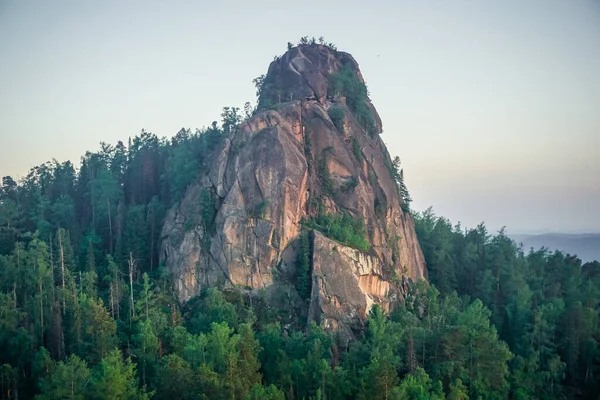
[[492, 106]]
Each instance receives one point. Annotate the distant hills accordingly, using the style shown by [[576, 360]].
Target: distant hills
[[585, 245]]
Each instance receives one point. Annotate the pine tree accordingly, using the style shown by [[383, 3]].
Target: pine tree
[[114, 378]]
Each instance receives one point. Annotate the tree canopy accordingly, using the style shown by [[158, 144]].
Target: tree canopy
[[87, 310]]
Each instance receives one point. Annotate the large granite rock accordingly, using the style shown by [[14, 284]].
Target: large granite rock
[[265, 180]]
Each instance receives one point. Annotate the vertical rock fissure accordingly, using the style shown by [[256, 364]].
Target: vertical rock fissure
[[243, 245]]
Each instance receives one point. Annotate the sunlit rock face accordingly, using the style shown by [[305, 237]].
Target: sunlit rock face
[[268, 176]]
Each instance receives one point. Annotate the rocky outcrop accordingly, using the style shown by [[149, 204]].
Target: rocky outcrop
[[287, 163], [345, 285]]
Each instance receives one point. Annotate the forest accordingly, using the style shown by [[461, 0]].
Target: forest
[[87, 310]]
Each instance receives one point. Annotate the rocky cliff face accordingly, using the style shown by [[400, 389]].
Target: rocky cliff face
[[287, 163]]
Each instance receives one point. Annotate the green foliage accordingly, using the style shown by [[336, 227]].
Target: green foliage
[[64, 380], [247, 373], [114, 378], [349, 185], [260, 210], [175, 379], [99, 329], [135, 234], [458, 391], [232, 118], [189, 152], [303, 266], [524, 304], [337, 116], [87, 311], [344, 228], [379, 379], [399, 175], [356, 149], [146, 347], [418, 386], [260, 392], [346, 83], [206, 202], [305, 40], [200, 312], [325, 175], [259, 83]]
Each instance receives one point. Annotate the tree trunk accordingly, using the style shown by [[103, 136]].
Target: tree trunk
[[110, 233], [117, 295], [152, 234], [15, 283], [423, 351], [131, 284], [41, 312], [112, 302], [62, 265], [52, 267], [412, 361], [119, 222], [146, 305], [56, 341], [92, 200]]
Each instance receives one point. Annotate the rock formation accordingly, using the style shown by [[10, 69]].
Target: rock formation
[[287, 163]]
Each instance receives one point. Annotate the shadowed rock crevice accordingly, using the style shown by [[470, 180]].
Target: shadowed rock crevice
[[290, 163]]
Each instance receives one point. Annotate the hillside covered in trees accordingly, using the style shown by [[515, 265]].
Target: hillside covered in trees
[[87, 310]]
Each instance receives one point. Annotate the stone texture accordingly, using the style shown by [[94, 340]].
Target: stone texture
[[266, 163], [345, 285]]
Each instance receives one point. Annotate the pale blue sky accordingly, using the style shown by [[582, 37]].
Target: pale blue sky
[[493, 106]]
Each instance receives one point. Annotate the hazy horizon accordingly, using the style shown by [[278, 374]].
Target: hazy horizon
[[492, 105]]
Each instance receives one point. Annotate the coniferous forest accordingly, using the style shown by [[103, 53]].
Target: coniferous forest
[[87, 310]]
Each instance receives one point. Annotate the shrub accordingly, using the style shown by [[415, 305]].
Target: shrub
[[398, 175], [303, 267], [188, 225], [261, 209], [206, 201], [308, 153], [323, 170], [356, 150], [259, 83], [346, 83], [372, 177], [315, 205], [344, 228], [351, 184], [365, 119], [379, 207], [337, 116]]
